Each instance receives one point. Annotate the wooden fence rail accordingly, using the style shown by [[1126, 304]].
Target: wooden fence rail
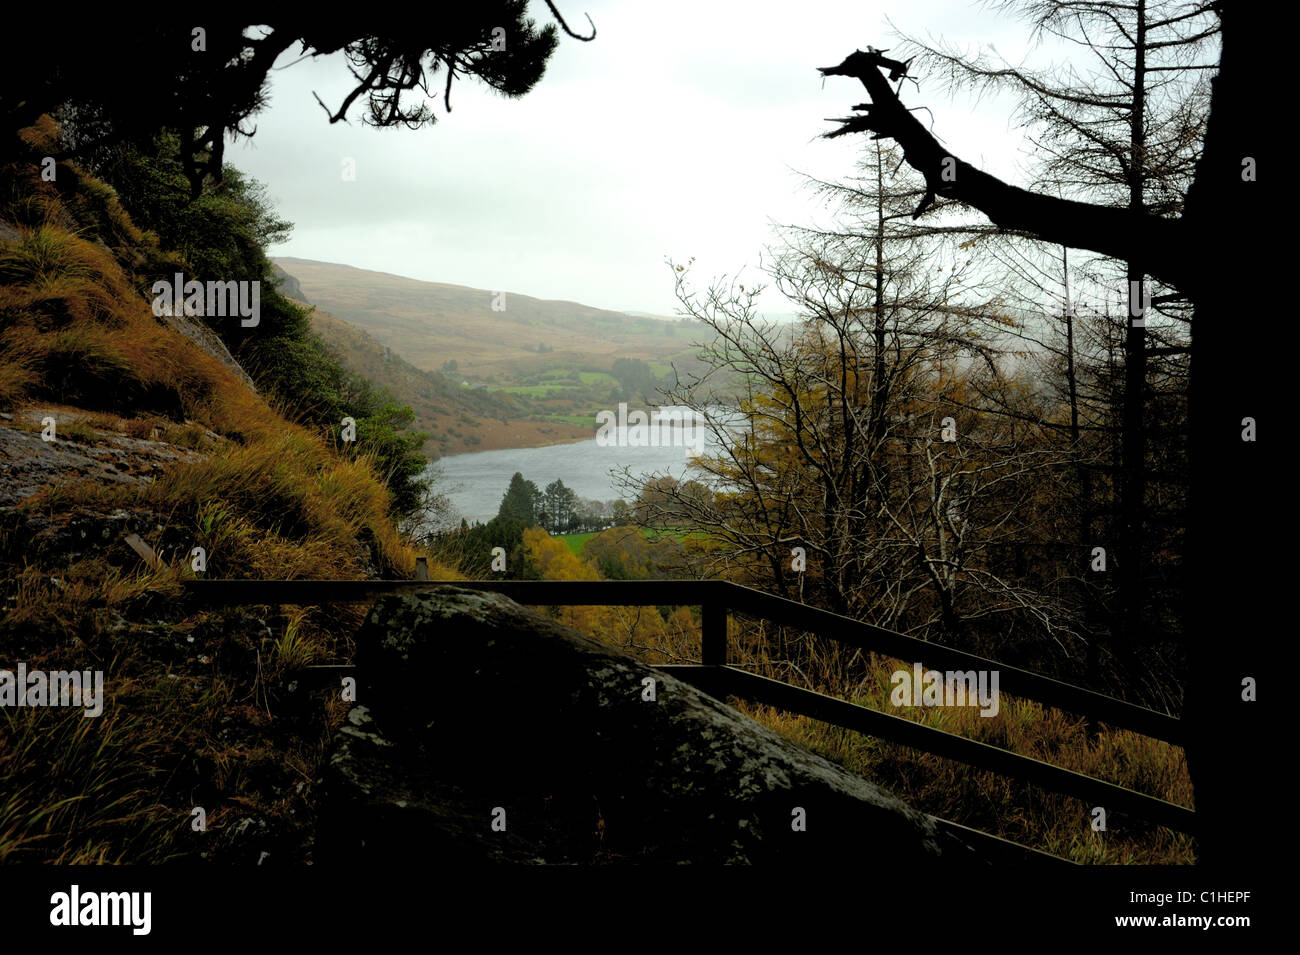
[[717, 600]]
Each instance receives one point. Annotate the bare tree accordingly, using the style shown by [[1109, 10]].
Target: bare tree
[[1123, 127], [854, 469], [1224, 727]]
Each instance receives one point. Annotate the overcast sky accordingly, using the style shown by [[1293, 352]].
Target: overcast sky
[[678, 132]]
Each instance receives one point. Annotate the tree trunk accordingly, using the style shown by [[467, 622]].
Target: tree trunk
[[1217, 253], [1133, 443], [1226, 622]]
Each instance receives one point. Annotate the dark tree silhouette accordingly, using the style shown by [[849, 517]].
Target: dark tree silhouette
[[1125, 128], [521, 501], [1232, 573], [204, 76]]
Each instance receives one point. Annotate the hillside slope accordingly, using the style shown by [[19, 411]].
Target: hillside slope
[[458, 418], [431, 323], [115, 422]]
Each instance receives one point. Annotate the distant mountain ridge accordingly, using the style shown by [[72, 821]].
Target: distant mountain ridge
[[494, 337]]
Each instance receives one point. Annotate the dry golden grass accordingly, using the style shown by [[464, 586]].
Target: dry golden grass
[[271, 501], [77, 790], [984, 800], [1054, 823], [75, 331]]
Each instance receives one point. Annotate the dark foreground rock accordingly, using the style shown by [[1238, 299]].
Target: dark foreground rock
[[471, 708]]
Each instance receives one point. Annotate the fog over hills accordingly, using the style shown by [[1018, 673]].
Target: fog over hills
[[492, 335]]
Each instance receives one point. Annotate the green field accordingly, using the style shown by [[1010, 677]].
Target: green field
[[536, 391], [575, 541]]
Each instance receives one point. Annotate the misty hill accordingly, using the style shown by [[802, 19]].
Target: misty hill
[[434, 323], [459, 418]]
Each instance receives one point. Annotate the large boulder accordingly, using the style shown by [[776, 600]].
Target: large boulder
[[472, 710]]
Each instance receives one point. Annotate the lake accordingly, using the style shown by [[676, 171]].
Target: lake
[[476, 482]]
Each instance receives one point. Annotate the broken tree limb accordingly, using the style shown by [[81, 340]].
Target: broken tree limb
[[1117, 232]]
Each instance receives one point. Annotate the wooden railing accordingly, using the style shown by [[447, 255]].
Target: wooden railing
[[713, 674]]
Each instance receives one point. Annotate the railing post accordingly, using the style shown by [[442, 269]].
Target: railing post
[[713, 640]]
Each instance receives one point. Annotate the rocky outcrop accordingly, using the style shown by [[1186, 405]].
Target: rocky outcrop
[[205, 338], [287, 285], [486, 732], [28, 463]]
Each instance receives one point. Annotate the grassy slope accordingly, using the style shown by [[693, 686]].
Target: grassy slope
[[201, 709], [576, 541], [459, 419], [430, 323]]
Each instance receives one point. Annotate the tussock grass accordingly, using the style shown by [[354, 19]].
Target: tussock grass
[[300, 645], [197, 707], [74, 330], [76, 333], [278, 507], [79, 431], [75, 600], [77, 789], [191, 435]]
